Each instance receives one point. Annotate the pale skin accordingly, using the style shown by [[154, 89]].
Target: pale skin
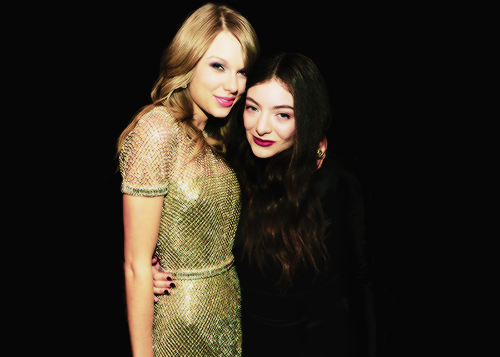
[[218, 82], [141, 218], [219, 79], [268, 115]]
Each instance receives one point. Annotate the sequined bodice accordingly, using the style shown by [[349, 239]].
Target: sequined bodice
[[201, 205], [199, 218]]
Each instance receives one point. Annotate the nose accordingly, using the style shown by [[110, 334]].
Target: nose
[[263, 125], [231, 84]]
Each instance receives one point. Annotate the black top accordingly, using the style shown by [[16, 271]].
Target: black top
[[313, 318]]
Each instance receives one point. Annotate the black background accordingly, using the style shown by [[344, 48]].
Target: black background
[[379, 62]]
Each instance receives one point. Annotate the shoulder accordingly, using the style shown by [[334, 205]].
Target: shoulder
[[156, 126], [157, 120], [155, 130], [339, 167], [334, 174]]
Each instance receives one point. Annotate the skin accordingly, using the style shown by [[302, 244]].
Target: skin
[[141, 218], [219, 73], [219, 79], [266, 115], [269, 119]]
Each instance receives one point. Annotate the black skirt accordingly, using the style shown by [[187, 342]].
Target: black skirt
[[312, 323]]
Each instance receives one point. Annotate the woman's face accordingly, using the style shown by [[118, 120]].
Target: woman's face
[[219, 78], [269, 119]]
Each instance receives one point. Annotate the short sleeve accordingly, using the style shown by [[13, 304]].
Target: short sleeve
[[146, 156]]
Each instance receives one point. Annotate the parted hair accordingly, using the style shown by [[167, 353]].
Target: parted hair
[[281, 214], [179, 61]]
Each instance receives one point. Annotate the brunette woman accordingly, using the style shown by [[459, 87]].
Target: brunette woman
[[291, 248], [301, 213]]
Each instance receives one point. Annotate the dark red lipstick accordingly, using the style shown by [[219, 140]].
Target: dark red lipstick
[[262, 142]]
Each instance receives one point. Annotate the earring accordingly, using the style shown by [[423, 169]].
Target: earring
[[320, 153], [184, 86]]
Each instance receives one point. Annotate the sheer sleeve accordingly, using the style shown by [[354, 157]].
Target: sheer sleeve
[[147, 154]]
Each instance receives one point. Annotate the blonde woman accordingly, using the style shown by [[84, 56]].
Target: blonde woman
[[181, 202]]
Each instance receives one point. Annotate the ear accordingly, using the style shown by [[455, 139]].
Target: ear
[[323, 144]]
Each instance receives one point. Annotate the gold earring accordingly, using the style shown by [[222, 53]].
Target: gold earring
[[320, 153]]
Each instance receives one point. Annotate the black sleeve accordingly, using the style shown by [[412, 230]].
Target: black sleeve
[[343, 206], [360, 278]]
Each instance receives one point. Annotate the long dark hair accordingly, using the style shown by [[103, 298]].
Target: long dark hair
[[281, 215]]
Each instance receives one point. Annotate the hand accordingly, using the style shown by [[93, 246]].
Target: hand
[[163, 282]]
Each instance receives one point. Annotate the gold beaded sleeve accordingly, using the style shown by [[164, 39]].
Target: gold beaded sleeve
[[146, 155]]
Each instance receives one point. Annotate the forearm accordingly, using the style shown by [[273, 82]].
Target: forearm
[[138, 281], [141, 218]]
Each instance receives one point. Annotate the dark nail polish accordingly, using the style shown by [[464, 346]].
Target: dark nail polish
[[172, 285], [167, 292], [169, 278]]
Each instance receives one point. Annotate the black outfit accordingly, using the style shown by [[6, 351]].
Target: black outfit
[[314, 317]]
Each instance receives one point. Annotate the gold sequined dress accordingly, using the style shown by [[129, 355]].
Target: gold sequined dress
[[200, 214]]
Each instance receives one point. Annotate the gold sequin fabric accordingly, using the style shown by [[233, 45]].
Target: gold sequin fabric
[[200, 213]]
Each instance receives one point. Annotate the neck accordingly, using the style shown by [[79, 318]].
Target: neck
[[200, 122], [200, 118]]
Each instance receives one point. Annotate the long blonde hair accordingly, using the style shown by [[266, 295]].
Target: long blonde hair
[[179, 61]]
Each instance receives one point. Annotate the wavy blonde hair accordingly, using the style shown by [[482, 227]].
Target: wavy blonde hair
[[179, 61]]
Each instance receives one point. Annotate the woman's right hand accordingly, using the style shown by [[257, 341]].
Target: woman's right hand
[[163, 282]]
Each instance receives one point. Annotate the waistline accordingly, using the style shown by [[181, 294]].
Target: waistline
[[203, 273]]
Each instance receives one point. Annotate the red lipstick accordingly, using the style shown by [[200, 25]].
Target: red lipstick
[[225, 101], [262, 142]]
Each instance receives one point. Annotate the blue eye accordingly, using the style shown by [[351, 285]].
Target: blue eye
[[244, 73]]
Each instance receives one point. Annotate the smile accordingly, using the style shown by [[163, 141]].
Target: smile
[[225, 101], [262, 142]]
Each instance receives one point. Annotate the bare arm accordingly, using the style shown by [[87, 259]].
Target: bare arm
[[141, 217]]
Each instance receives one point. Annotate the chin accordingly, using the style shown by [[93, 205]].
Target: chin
[[221, 113], [261, 153]]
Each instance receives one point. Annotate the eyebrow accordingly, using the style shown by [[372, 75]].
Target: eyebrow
[[217, 58], [276, 107]]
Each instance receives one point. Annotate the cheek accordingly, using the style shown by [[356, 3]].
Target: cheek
[[285, 132], [242, 84], [195, 85], [248, 122], [203, 79]]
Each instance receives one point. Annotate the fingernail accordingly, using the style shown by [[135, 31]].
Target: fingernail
[[169, 278], [172, 285], [167, 292]]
